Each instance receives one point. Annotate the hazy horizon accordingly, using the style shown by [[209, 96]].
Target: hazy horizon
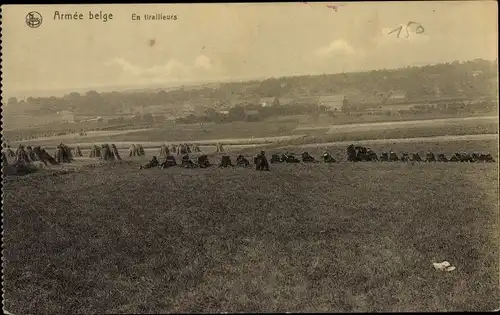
[[234, 42], [123, 88]]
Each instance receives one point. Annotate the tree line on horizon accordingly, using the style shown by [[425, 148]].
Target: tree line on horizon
[[471, 79]]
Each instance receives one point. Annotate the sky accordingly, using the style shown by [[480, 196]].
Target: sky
[[210, 42]]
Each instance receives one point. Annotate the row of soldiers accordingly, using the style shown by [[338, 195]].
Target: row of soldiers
[[202, 161], [359, 154]]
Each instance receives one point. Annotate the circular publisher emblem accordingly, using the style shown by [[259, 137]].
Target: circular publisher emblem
[[34, 19]]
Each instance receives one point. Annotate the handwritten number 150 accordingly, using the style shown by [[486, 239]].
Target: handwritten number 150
[[419, 30]]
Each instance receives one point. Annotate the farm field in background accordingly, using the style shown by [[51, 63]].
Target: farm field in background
[[309, 237], [239, 133]]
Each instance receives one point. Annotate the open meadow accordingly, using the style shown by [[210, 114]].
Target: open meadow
[[303, 237], [277, 131], [250, 158]]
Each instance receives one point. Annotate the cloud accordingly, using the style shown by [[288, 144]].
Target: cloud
[[203, 62], [173, 70], [338, 46]]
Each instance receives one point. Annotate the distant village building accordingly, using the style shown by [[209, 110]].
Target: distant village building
[[266, 101], [269, 101], [66, 116], [333, 102]]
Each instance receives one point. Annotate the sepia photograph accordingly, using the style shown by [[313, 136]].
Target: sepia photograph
[[281, 157]]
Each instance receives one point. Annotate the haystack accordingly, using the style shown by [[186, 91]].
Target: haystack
[[77, 151], [164, 151], [114, 150], [106, 153], [173, 148], [44, 156], [95, 152], [9, 152], [22, 155], [63, 154], [183, 149], [5, 161], [140, 150], [132, 151], [31, 154], [196, 148], [219, 147]]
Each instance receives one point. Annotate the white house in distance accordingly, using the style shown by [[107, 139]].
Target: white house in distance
[[333, 102], [268, 101]]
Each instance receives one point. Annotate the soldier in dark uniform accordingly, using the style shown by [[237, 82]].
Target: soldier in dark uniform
[[241, 161], [393, 156], [487, 158], [361, 154], [203, 161], [482, 157], [327, 158], [384, 157], [430, 157], [455, 157], [225, 161], [372, 156], [351, 153], [289, 158], [153, 163], [442, 158], [307, 158], [416, 157], [466, 157], [186, 161], [169, 161], [275, 158], [261, 163], [405, 157]]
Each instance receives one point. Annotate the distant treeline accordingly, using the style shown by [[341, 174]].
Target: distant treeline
[[471, 79]]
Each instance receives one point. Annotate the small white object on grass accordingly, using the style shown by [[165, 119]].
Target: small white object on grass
[[443, 266]]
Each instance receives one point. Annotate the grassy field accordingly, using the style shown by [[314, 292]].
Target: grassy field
[[304, 238], [280, 129], [400, 133]]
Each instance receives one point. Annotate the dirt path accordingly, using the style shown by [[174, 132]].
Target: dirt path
[[398, 124]]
